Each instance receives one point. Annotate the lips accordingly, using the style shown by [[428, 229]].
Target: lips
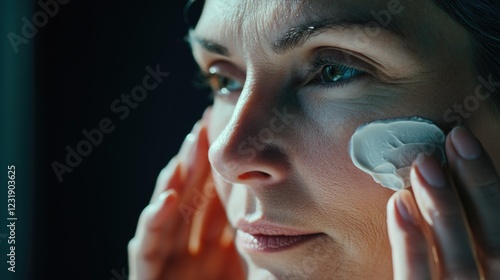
[[265, 237]]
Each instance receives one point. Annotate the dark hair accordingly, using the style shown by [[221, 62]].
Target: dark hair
[[192, 12], [482, 19]]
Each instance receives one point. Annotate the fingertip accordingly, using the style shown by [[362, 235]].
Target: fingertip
[[430, 171], [170, 178], [465, 143], [407, 209], [167, 200], [406, 236], [163, 207], [404, 209], [166, 194], [198, 152], [391, 203], [393, 224], [188, 147]]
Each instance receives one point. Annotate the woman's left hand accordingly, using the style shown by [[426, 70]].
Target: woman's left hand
[[448, 226]]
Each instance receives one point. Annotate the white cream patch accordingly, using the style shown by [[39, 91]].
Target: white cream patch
[[386, 149]]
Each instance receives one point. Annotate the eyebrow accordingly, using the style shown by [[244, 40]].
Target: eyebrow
[[208, 45], [298, 35]]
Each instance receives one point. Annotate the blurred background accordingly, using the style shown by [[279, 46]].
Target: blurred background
[[62, 69]]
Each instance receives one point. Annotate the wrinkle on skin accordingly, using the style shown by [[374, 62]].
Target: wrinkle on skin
[[242, 22], [322, 189]]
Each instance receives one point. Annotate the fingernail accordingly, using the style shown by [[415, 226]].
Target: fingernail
[[466, 145], [164, 196], [187, 145], [404, 211], [431, 171]]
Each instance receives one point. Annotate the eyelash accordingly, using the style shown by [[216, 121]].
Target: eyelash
[[322, 60], [208, 80], [318, 64]]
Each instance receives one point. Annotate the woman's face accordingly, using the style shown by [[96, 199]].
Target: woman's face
[[294, 79]]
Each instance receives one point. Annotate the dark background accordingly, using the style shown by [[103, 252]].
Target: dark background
[[87, 55]]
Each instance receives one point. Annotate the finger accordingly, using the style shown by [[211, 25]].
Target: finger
[[409, 247], [173, 176], [196, 168], [194, 199], [235, 269], [168, 179], [194, 157], [179, 165], [156, 217], [442, 210], [223, 257], [216, 222], [208, 223], [196, 165], [147, 252], [479, 187]]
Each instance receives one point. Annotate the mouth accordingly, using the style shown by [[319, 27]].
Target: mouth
[[263, 237]]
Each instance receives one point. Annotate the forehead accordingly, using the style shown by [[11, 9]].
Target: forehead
[[252, 28], [273, 15], [255, 24]]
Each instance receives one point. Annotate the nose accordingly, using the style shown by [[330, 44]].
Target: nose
[[252, 148]]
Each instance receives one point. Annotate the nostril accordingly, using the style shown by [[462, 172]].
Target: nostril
[[253, 175]]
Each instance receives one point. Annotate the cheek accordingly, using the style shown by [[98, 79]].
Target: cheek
[[351, 204], [340, 185], [351, 207]]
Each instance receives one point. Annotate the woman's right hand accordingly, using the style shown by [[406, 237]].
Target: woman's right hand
[[184, 233], [448, 226]]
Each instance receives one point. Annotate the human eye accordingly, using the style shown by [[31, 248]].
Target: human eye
[[335, 74], [330, 71], [221, 81]]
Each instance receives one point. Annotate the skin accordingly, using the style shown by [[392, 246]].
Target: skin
[[302, 175]]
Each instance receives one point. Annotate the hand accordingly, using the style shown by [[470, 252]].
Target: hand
[[449, 227], [184, 232]]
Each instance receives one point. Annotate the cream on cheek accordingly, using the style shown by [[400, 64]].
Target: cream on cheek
[[386, 149]]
